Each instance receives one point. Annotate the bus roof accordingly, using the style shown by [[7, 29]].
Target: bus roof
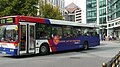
[[70, 23], [51, 21]]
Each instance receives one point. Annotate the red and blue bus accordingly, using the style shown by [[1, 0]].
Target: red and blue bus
[[21, 35]]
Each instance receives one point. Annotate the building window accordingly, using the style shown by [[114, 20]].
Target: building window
[[102, 20], [102, 12]]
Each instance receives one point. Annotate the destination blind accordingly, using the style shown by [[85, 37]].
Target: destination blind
[[7, 20]]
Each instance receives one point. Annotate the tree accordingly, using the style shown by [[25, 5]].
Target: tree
[[18, 7], [49, 11]]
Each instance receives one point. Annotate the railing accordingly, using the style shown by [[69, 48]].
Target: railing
[[114, 62]]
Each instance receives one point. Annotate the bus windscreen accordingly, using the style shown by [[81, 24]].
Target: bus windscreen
[[8, 33]]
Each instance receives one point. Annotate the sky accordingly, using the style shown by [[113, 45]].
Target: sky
[[79, 3]]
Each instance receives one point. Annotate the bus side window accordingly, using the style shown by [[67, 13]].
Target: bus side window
[[43, 31], [67, 31], [57, 31], [43, 34]]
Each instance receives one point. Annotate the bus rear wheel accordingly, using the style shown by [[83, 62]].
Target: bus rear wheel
[[44, 49], [85, 46]]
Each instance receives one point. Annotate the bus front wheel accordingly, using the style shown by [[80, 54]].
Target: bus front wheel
[[85, 45], [44, 49]]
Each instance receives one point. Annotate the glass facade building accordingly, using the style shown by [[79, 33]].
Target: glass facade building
[[102, 11], [102, 17], [113, 9], [106, 13], [96, 13], [113, 17], [91, 9]]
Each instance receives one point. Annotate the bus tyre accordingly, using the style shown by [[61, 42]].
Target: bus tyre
[[44, 49], [85, 46]]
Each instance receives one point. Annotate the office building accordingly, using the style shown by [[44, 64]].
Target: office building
[[102, 16], [113, 17], [91, 9], [106, 13], [58, 3], [73, 13], [96, 14]]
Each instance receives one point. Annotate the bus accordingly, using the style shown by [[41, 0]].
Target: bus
[[23, 35]]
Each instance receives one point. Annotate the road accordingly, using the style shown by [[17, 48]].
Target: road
[[94, 57]]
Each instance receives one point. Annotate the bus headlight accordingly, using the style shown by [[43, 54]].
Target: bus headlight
[[15, 44]]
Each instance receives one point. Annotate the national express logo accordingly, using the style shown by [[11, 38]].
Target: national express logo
[[56, 40]]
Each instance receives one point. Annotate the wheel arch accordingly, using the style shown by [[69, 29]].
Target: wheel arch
[[85, 46], [45, 44], [86, 41]]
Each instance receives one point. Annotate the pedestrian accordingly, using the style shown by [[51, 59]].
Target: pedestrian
[[110, 38], [102, 38]]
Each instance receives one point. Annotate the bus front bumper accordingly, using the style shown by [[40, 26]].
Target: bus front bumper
[[8, 51]]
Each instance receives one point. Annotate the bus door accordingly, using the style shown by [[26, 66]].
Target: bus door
[[27, 38], [31, 38]]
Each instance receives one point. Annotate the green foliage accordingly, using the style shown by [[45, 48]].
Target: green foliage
[[18, 7], [49, 11]]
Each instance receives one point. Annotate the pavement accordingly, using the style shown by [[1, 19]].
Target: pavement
[[109, 42]]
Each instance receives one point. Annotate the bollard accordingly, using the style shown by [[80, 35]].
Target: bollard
[[113, 65], [116, 62], [119, 60], [104, 65]]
